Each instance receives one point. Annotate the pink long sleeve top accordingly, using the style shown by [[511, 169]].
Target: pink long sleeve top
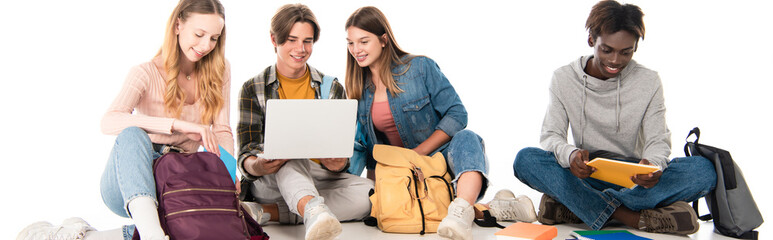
[[140, 103]]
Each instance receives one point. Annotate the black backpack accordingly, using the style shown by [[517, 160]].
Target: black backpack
[[731, 204]]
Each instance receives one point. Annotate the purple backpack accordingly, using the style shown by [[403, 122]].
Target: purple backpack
[[198, 200]]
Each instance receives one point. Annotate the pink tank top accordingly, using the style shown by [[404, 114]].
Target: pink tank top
[[385, 123]]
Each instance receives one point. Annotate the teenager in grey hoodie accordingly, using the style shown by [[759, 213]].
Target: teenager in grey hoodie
[[615, 108]]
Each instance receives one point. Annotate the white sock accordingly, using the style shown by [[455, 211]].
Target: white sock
[[104, 235], [145, 215]]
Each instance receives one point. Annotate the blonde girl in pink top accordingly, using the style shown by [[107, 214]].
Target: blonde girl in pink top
[[178, 101]]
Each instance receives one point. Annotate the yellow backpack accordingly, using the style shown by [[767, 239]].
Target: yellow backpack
[[412, 192]]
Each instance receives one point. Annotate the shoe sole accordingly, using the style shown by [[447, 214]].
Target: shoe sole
[[326, 228]]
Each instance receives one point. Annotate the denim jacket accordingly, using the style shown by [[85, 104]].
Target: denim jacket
[[428, 103]]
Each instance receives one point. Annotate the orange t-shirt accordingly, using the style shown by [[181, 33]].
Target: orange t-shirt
[[299, 88]]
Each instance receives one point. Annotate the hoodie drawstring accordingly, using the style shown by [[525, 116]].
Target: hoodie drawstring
[[584, 98], [617, 107]]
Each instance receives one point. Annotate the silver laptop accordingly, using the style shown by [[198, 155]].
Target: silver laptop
[[309, 128]]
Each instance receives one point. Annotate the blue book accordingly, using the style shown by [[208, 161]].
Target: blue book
[[616, 236], [229, 161]]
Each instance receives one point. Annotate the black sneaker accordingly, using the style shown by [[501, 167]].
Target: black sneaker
[[677, 218], [553, 212]]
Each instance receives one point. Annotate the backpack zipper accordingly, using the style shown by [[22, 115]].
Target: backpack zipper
[[243, 217], [202, 210], [199, 189]]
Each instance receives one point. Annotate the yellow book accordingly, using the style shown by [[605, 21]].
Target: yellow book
[[619, 172]]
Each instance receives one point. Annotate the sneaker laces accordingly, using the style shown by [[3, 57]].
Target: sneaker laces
[[656, 223], [502, 214], [315, 210], [457, 211], [504, 209], [664, 224], [678, 218]]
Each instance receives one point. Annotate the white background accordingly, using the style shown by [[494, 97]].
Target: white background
[[63, 62]]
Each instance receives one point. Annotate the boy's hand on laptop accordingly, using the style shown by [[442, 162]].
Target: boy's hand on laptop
[[578, 164], [647, 180], [261, 166], [334, 164]]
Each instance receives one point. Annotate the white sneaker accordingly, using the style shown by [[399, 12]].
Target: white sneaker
[[506, 207], [458, 223], [71, 229], [255, 210], [504, 194], [320, 223]]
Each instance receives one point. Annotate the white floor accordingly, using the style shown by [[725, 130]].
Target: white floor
[[358, 230]]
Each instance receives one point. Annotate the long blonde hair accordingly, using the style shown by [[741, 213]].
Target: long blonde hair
[[373, 20], [210, 68]]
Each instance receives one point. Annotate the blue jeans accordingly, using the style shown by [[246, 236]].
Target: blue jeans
[[465, 152], [593, 201], [129, 173]]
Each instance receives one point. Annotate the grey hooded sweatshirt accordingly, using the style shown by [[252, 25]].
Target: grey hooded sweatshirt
[[624, 114]]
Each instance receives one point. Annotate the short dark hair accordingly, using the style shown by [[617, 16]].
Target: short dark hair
[[287, 16], [609, 17]]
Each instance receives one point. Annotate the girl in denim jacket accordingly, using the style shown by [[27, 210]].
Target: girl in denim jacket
[[406, 101]]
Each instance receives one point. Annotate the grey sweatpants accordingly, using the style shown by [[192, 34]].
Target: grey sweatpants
[[345, 194]]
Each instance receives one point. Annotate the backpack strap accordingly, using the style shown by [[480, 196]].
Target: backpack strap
[[324, 88], [421, 207], [704, 217], [488, 220], [370, 220], [688, 153], [697, 133]]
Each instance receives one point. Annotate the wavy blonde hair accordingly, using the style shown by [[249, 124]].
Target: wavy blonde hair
[[373, 20], [210, 68]]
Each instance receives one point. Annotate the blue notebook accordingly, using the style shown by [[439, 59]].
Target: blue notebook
[[229, 161], [616, 236]]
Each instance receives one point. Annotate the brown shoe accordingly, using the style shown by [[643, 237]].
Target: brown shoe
[[677, 218], [553, 212]]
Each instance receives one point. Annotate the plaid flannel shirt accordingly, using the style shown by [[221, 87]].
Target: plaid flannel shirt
[[252, 102]]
